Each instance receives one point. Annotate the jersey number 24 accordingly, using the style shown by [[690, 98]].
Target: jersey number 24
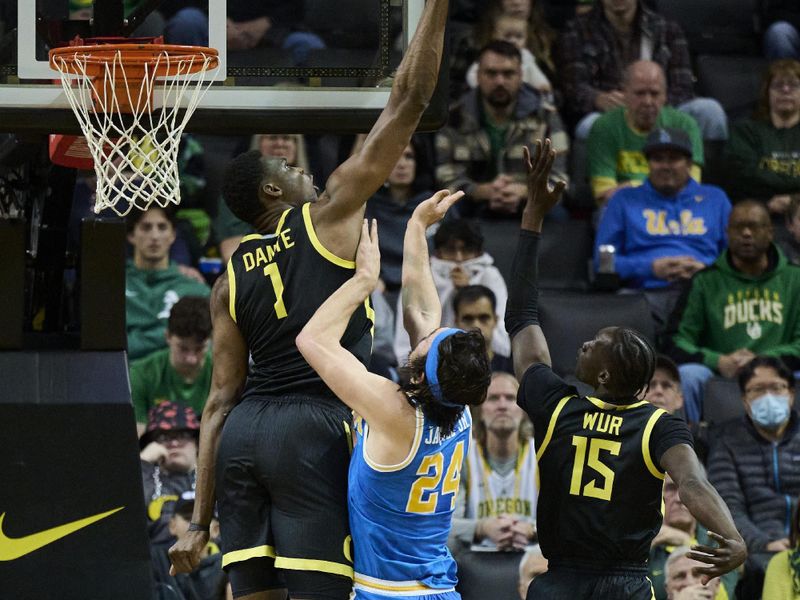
[[425, 491]]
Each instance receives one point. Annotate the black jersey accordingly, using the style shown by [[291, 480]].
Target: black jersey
[[600, 479], [277, 282]]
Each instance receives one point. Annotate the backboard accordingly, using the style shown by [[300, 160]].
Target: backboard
[[321, 66]]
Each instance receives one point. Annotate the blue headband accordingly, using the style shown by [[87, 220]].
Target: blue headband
[[432, 365]]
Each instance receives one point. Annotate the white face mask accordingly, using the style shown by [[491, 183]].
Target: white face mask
[[770, 411]]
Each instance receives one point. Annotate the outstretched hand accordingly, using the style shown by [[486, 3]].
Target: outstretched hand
[[368, 255], [541, 197], [434, 208], [727, 556]]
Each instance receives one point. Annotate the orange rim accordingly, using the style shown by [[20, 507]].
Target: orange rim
[[192, 59]]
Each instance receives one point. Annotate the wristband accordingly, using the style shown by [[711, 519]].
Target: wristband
[[198, 527]]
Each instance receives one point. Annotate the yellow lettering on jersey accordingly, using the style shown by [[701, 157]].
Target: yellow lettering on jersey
[[261, 258], [602, 423], [656, 223], [249, 261], [746, 309]]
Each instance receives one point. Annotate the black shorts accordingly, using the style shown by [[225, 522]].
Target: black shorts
[[566, 582], [282, 491]]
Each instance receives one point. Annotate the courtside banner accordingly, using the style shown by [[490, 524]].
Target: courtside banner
[[72, 519]]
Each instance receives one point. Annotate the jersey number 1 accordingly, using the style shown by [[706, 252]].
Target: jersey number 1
[[591, 489], [428, 482], [271, 271]]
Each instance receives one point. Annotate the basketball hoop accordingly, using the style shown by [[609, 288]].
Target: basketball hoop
[[132, 126]]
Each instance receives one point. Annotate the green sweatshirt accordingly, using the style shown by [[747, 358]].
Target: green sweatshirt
[[725, 310], [763, 161], [149, 296], [154, 380]]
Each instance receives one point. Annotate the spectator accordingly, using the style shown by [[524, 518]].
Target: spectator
[[665, 230], [614, 148], [532, 565], [664, 390], [782, 579], [789, 240], [168, 459], [752, 465], [153, 284], [208, 581], [271, 23], [182, 371], [763, 152], [596, 47], [514, 30], [496, 503], [458, 260], [229, 230], [409, 183], [683, 584], [480, 151], [782, 37], [671, 226], [746, 304], [475, 307], [679, 529]]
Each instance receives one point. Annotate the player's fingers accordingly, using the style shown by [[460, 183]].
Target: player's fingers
[[374, 233], [722, 541], [526, 157], [558, 189], [705, 549], [536, 157]]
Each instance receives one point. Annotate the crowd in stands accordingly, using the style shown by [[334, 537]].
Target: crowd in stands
[[699, 213]]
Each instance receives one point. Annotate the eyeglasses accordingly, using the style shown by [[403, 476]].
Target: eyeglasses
[[767, 388], [165, 437], [780, 84]]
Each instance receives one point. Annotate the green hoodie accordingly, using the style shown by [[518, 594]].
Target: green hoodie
[[149, 296], [725, 310]]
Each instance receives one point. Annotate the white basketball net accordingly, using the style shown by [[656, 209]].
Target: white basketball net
[[136, 157]]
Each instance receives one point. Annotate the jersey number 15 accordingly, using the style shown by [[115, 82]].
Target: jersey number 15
[[428, 483], [595, 445]]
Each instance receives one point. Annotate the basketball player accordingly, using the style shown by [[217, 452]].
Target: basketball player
[[602, 458], [411, 440], [280, 464]]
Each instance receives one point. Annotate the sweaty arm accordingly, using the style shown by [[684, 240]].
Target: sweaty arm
[[338, 216], [227, 381], [528, 344], [709, 509]]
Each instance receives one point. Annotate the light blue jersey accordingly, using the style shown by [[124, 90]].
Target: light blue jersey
[[400, 515]]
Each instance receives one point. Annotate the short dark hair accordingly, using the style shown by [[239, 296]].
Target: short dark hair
[[473, 293], [190, 317], [665, 363], [502, 48], [770, 362], [240, 189], [459, 229], [633, 362], [133, 217], [464, 376]]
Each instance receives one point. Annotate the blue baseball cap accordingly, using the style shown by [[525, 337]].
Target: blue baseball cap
[[668, 138]]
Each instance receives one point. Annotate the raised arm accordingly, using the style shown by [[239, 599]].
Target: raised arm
[[709, 509], [375, 398], [353, 183], [528, 344], [227, 381], [422, 310]]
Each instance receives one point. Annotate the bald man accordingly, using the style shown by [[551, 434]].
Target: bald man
[[617, 137]]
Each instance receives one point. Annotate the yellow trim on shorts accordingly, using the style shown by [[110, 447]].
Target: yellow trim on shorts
[[551, 426], [648, 429], [371, 316], [652, 589], [324, 252], [281, 220], [312, 564], [391, 586], [246, 554], [231, 290], [609, 406]]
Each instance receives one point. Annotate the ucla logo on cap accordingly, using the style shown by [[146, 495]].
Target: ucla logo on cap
[[664, 137]]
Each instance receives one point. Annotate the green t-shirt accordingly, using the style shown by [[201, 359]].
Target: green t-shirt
[[153, 380], [615, 149]]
